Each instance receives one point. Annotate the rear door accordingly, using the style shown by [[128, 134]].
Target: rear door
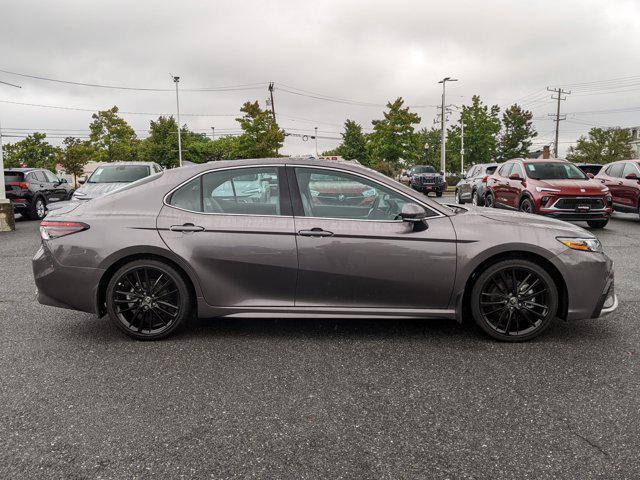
[[500, 184], [629, 187], [613, 180], [57, 192], [354, 252], [235, 228]]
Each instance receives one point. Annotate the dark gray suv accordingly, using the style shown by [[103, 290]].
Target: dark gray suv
[[473, 185], [290, 237]]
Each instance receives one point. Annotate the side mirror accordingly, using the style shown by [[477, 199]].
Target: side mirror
[[62, 180], [516, 176], [414, 214], [631, 176], [591, 175], [81, 181]]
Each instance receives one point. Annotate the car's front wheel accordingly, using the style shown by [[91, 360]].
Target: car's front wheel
[[597, 223], [148, 299], [526, 206], [438, 193], [514, 300]]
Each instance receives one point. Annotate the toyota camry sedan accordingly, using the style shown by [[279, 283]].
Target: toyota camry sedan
[[293, 237]]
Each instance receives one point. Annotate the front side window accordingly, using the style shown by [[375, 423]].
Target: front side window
[[51, 178], [505, 169], [517, 168], [244, 191], [335, 194], [119, 173], [554, 171], [629, 167]]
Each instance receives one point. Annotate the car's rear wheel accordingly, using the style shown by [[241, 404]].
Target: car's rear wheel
[[597, 223], [526, 206], [459, 197], [514, 300], [476, 200], [148, 299], [37, 210], [489, 201], [438, 193]]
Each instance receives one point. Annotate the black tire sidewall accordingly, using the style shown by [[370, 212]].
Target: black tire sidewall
[[180, 282], [491, 204], [488, 272], [597, 223], [524, 201], [33, 211]]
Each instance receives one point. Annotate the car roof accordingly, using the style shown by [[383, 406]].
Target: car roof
[[106, 164], [22, 169]]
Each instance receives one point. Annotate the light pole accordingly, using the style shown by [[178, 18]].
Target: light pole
[[176, 80], [316, 137], [7, 222], [443, 132], [461, 145], [213, 133]]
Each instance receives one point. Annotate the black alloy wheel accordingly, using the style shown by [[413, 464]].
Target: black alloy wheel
[[488, 200], [526, 206], [148, 299], [38, 209], [514, 300]]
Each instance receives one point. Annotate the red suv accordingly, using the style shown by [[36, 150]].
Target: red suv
[[551, 187], [623, 180]]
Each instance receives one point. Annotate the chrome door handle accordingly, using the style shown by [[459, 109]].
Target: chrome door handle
[[315, 232], [187, 227]]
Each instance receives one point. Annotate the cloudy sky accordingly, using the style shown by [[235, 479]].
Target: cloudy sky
[[356, 55]]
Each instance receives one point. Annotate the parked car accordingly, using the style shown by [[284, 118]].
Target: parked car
[[425, 179], [591, 169], [623, 180], [555, 188], [112, 176], [176, 248], [32, 190], [473, 185]]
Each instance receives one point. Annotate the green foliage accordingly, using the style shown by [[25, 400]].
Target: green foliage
[[517, 134], [603, 145], [354, 143], [75, 155], [262, 138], [430, 140], [223, 148], [33, 151], [393, 138], [112, 137], [481, 130]]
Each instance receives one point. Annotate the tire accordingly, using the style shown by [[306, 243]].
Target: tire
[[532, 311], [438, 193], [476, 200], [489, 201], [37, 210], [148, 299], [527, 206], [597, 223], [459, 200]]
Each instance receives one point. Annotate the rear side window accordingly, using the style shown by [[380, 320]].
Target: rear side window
[[629, 167], [188, 196], [615, 170], [505, 170], [10, 177], [491, 169]]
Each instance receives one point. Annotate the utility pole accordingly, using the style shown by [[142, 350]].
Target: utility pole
[[461, 145], [443, 131], [273, 107], [316, 137], [213, 133], [559, 92], [176, 80], [7, 222]]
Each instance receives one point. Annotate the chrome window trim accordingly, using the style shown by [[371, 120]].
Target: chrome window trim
[[165, 201]]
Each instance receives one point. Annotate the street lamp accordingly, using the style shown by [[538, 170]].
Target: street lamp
[[7, 222], [443, 132], [176, 80]]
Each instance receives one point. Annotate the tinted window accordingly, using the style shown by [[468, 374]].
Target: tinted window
[[491, 169], [245, 191], [38, 176], [615, 170], [473, 171], [13, 177], [629, 167], [554, 171], [517, 168], [423, 169], [119, 173], [505, 169], [50, 176], [333, 194], [188, 196]]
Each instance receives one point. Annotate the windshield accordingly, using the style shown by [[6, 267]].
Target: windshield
[[554, 171], [425, 169], [118, 173]]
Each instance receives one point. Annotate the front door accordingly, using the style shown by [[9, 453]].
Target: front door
[[353, 250], [235, 228]]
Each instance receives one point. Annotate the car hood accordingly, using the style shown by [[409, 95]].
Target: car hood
[[94, 190], [573, 187]]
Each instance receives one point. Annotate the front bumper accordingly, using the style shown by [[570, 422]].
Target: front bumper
[[576, 216], [428, 187]]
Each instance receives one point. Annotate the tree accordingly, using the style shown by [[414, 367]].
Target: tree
[[75, 155], [429, 140], [354, 143], [517, 133], [603, 145], [393, 138], [112, 137], [33, 151], [223, 148], [262, 137], [481, 130]]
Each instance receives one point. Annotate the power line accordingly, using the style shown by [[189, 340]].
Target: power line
[[559, 92]]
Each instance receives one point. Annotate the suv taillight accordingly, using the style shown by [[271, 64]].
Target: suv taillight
[[52, 229], [22, 185], [485, 179]]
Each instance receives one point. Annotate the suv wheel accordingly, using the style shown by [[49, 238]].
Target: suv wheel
[[597, 223], [526, 206], [38, 209], [459, 197], [514, 300], [488, 200], [438, 193], [476, 200], [148, 299]]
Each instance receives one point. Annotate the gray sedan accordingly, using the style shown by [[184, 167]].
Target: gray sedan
[[305, 238]]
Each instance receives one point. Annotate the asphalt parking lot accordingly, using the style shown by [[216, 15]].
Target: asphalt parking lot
[[307, 399]]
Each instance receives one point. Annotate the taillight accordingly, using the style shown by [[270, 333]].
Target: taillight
[[52, 229], [22, 185], [485, 179]]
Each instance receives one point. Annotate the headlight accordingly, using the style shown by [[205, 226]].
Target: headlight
[[547, 189], [584, 244]]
